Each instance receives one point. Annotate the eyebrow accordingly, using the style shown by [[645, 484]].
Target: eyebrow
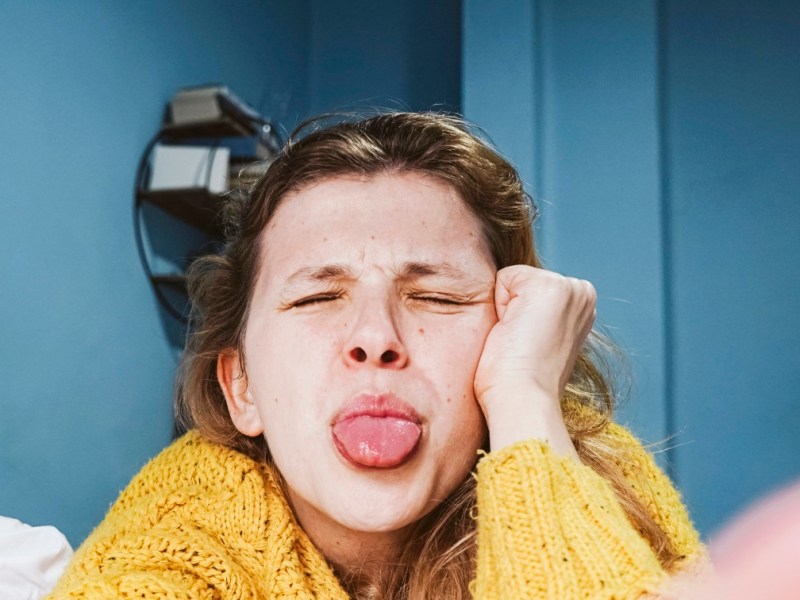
[[408, 272], [418, 270], [320, 273]]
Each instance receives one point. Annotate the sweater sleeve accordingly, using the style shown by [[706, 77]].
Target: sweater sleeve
[[657, 494], [549, 527]]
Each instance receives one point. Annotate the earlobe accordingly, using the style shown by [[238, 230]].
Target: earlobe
[[241, 405]]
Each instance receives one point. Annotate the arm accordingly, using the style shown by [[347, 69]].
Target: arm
[[549, 526]]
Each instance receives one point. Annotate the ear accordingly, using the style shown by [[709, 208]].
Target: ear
[[241, 405]]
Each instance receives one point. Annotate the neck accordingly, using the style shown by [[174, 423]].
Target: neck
[[359, 558], [362, 562]]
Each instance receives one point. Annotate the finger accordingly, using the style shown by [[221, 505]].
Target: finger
[[591, 292], [508, 281]]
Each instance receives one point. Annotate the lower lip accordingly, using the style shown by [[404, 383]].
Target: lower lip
[[377, 441]]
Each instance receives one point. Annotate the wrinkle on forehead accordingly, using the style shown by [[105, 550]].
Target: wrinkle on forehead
[[408, 272]]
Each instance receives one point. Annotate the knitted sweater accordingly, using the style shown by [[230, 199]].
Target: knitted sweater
[[204, 521]]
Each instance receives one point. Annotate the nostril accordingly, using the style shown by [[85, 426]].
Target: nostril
[[358, 354], [389, 356]]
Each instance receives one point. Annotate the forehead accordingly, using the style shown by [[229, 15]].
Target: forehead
[[385, 218]]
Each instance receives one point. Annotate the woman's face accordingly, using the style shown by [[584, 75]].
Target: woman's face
[[369, 314]]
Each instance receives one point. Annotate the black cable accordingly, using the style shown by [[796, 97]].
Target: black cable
[[141, 174]]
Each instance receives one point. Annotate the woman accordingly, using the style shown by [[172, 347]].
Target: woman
[[388, 397]]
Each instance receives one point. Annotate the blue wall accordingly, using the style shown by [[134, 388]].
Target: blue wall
[[662, 140], [732, 133], [402, 55], [85, 363]]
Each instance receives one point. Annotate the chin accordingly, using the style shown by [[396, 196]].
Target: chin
[[384, 519], [378, 508]]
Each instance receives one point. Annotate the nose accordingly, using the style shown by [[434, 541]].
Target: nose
[[375, 340]]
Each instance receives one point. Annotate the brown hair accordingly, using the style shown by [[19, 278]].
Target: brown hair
[[439, 560]]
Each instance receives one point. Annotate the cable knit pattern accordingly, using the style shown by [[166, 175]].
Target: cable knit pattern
[[203, 521], [199, 521]]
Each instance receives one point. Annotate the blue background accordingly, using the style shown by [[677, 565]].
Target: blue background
[[661, 139]]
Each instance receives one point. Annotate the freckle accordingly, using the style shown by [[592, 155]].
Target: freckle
[[275, 400], [372, 237], [449, 399]]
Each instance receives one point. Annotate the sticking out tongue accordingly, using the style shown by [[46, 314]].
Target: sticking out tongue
[[371, 441]]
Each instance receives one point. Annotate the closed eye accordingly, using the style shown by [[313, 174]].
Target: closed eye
[[317, 299], [447, 301]]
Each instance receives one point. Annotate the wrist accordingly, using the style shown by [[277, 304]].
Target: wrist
[[517, 415]]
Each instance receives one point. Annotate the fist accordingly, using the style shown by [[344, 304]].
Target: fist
[[543, 320]]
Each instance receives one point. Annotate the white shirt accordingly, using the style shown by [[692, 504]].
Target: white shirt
[[31, 559]]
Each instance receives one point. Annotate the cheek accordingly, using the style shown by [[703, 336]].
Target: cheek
[[461, 344], [272, 386], [285, 347], [289, 365], [449, 352]]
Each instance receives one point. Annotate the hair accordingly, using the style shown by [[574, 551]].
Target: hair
[[440, 556]]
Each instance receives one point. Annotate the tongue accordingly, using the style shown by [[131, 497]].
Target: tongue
[[376, 441]]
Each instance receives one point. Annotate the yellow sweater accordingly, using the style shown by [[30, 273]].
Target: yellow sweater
[[203, 521]]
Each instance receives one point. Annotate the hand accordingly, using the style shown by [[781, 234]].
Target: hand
[[543, 320], [755, 556]]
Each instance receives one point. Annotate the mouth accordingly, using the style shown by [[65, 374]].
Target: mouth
[[376, 431]]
